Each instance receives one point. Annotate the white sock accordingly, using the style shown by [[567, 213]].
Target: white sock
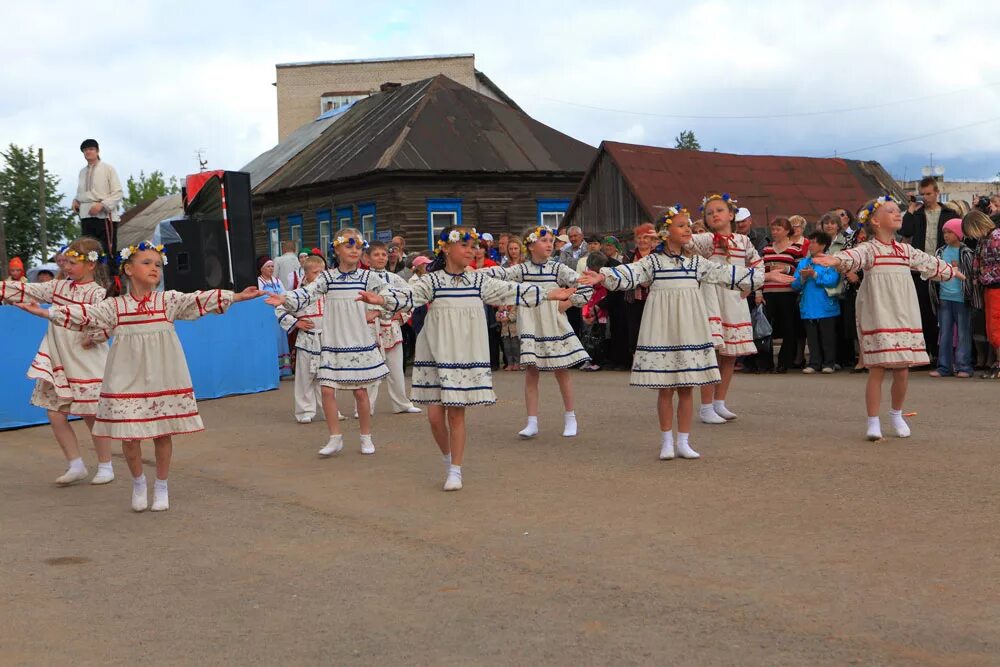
[[139, 482], [105, 466], [708, 415], [76, 465], [531, 429], [668, 437], [684, 449], [446, 459], [899, 424], [721, 410], [667, 446], [455, 470], [874, 429], [160, 486], [570, 428]]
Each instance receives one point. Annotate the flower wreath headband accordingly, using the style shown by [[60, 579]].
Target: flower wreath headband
[[669, 214], [349, 241], [539, 232], [868, 211], [144, 245], [455, 236], [92, 256], [723, 197]]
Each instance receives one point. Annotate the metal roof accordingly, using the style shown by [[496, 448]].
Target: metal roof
[[771, 184], [433, 125], [357, 61]]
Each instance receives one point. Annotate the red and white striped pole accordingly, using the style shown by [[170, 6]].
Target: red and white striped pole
[[225, 224]]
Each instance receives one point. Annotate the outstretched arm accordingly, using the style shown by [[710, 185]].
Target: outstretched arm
[[932, 268]]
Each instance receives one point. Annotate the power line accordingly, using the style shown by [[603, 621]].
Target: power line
[[796, 114], [919, 136]]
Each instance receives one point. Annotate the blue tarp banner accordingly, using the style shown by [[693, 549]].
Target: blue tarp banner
[[234, 353]]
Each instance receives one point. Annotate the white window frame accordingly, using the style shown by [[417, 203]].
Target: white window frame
[[552, 219], [450, 217]]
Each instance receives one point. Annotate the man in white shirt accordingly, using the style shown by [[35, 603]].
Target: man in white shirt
[[98, 195], [286, 263]]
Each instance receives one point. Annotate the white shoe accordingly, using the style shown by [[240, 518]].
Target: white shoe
[[685, 452], [412, 410], [874, 433], [453, 483], [569, 428], [333, 445], [901, 428], [808, 370], [140, 500], [367, 446], [708, 415], [355, 414], [528, 432], [724, 412], [71, 477], [103, 477], [667, 451], [161, 501], [304, 420], [340, 416]]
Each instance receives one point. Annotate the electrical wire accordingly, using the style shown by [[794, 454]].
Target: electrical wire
[[919, 136]]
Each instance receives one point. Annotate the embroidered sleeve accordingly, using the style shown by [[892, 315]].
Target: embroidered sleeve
[[859, 258], [91, 318], [503, 293], [307, 294], [404, 297], [701, 244], [12, 291], [754, 259], [181, 306], [510, 273], [930, 267], [567, 277], [730, 276], [625, 277]]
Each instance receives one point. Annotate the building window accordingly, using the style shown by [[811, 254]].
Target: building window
[[345, 217], [441, 213], [273, 237], [295, 230], [552, 211], [366, 213], [324, 222], [334, 102]]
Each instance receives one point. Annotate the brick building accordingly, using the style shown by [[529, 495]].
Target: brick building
[[412, 160], [308, 89]]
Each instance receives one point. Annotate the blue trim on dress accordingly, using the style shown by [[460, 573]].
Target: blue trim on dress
[[672, 348], [434, 364], [327, 348], [546, 339]]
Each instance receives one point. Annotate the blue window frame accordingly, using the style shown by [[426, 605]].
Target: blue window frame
[[273, 237], [295, 230], [345, 217], [324, 229], [441, 213], [366, 220], [550, 212]]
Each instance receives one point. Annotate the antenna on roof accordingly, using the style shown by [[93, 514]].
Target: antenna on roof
[[202, 162]]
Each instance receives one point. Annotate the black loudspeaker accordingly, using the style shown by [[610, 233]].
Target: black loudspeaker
[[202, 259]]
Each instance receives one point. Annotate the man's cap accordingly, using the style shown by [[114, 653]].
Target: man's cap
[[486, 237], [742, 214], [564, 238]]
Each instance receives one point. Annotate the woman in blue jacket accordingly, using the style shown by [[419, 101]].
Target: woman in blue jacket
[[818, 305]]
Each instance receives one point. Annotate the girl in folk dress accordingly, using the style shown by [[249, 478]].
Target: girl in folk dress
[[548, 342], [147, 390], [268, 282], [675, 351], [887, 309], [350, 357], [724, 247], [451, 370], [69, 365], [308, 345]]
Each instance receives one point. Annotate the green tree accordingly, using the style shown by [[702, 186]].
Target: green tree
[[686, 141], [148, 187], [19, 192]]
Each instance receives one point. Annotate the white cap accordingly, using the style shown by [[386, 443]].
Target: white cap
[[487, 237], [742, 214]]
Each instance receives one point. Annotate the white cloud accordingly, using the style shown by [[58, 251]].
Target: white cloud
[[155, 81]]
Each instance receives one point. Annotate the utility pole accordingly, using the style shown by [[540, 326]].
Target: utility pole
[[3, 243], [43, 236]]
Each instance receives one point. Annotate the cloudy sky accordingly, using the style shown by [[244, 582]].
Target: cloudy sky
[[156, 81]]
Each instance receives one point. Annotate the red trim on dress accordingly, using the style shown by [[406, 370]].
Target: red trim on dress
[[152, 394]]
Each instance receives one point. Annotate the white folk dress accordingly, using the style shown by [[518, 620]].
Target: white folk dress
[[675, 346], [548, 342], [888, 313], [452, 362], [308, 342], [67, 375], [736, 250], [350, 356], [147, 391], [387, 330]]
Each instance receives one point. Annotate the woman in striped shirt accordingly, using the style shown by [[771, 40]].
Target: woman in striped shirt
[[780, 300]]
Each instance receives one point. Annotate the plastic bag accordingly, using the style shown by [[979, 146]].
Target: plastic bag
[[761, 325]]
